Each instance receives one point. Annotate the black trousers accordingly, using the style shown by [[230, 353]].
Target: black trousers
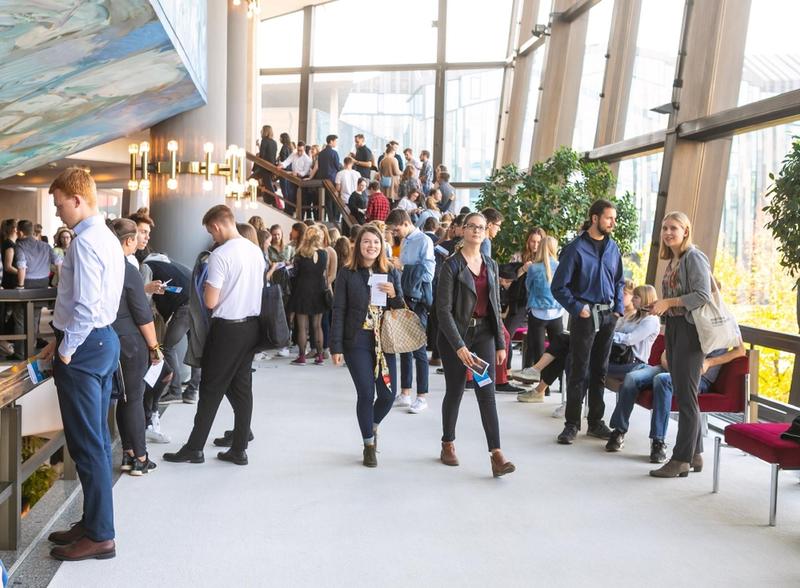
[[588, 357], [225, 371], [513, 321], [536, 337], [480, 341], [135, 361]]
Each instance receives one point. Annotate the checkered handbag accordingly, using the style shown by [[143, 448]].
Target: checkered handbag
[[401, 331]]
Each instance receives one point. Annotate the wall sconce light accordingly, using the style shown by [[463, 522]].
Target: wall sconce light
[[253, 8], [172, 182]]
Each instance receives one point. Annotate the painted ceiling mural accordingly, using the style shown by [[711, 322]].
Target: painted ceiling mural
[[79, 73]]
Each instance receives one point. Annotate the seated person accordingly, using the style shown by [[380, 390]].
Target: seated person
[[658, 378], [635, 331]]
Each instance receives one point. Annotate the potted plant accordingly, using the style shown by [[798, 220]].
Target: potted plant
[[784, 212], [554, 195]]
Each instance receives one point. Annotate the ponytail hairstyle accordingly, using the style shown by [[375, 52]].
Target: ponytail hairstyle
[[467, 218], [597, 208], [547, 252]]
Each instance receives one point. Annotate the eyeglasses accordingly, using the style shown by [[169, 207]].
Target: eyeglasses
[[471, 227]]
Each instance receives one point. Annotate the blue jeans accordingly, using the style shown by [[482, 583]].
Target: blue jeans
[[419, 358], [360, 358], [84, 395]]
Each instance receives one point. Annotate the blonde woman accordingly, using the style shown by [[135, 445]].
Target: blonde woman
[[636, 331], [686, 286], [308, 293], [544, 312]]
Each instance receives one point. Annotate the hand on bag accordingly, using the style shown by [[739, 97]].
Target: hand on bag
[[585, 312], [336, 358], [465, 356], [388, 288], [500, 356]]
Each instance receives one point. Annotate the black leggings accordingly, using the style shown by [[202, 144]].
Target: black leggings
[[302, 332], [135, 361], [481, 342], [535, 338]]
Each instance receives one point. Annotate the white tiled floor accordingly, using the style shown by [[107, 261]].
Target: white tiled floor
[[306, 513]]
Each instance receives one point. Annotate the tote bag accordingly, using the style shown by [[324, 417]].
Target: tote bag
[[716, 327], [401, 331]]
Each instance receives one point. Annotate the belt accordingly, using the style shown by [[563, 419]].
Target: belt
[[235, 321], [601, 307], [475, 321]]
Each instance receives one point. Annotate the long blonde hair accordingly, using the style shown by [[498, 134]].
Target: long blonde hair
[[665, 252], [647, 295], [312, 241], [547, 252]]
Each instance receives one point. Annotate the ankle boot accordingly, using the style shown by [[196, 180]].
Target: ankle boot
[[697, 462], [448, 455], [500, 467], [370, 458], [672, 469]]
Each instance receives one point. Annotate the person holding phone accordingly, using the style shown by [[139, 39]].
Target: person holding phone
[[470, 324], [355, 333]]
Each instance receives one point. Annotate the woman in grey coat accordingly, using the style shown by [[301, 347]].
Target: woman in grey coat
[[686, 287]]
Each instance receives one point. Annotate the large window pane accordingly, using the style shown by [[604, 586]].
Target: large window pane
[[472, 102], [280, 99], [478, 30], [654, 67], [754, 284], [594, 66], [280, 41], [771, 64], [383, 106], [530, 110], [640, 176], [374, 32]]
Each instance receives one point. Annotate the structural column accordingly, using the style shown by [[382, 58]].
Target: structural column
[[561, 81], [237, 76], [178, 213], [696, 172]]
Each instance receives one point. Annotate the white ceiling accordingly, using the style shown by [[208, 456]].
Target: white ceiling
[[270, 8]]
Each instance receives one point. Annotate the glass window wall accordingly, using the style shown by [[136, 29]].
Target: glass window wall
[[383, 106], [378, 32], [280, 41], [654, 66], [530, 110], [477, 30], [594, 67], [280, 104], [472, 103]]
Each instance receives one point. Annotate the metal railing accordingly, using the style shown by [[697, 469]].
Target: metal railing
[[30, 298]]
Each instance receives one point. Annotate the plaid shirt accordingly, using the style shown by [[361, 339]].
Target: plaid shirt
[[377, 207]]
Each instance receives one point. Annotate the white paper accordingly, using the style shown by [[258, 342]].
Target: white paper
[[151, 377], [377, 298]]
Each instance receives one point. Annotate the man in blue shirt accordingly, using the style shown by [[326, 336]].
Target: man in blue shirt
[[326, 168], [85, 356], [588, 284], [419, 266]]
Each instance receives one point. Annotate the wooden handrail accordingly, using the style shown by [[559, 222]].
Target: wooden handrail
[[339, 201], [278, 171]]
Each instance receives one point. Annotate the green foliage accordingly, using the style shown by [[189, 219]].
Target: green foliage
[[555, 195], [784, 210], [41, 480]]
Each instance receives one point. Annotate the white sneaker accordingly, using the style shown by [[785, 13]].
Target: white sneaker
[[529, 374], [263, 356], [418, 405], [153, 432], [558, 413], [284, 352], [403, 400]]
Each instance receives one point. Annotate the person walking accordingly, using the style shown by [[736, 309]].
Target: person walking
[[418, 265], [686, 286], [233, 294], [470, 334], [588, 283], [355, 333], [139, 349], [85, 355]]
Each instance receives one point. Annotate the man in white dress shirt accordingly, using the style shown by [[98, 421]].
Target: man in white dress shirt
[[85, 356]]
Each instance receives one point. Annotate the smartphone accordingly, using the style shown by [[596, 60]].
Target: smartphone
[[173, 289], [479, 366]]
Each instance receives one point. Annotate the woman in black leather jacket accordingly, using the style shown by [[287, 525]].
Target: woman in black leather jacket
[[468, 308], [355, 333]]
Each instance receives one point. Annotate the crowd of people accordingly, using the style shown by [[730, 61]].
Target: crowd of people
[[120, 303]]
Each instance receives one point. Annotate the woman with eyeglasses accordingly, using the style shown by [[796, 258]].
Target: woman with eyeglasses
[[470, 333]]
